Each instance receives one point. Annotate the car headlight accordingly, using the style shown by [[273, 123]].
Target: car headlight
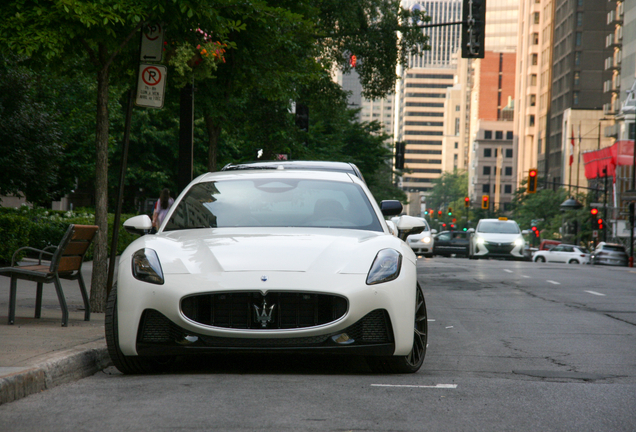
[[426, 239], [519, 242], [480, 240], [146, 266], [386, 267]]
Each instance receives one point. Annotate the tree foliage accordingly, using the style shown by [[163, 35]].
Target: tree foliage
[[449, 190]]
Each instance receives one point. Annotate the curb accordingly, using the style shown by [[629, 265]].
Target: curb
[[59, 368]]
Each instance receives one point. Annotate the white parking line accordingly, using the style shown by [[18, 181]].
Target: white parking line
[[595, 293], [439, 386], [554, 282], [507, 271]]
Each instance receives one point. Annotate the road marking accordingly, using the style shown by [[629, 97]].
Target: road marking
[[507, 271], [430, 320], [449, 327], [595, 293], [554, 282], [525, 276], [438, 386]]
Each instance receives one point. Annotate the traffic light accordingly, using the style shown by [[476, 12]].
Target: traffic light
[[532, 181], [599, 222], [439, 213], [535, 231], [302, 117], [473, 24], [485, 202], [594, 213], [400, 148], [450, 211], [466, 202]]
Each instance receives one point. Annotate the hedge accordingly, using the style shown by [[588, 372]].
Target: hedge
[[39, 228]]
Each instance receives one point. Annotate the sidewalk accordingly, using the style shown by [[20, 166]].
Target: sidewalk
[[37, 354]]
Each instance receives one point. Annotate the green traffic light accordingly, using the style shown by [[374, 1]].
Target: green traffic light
[[465, 229]]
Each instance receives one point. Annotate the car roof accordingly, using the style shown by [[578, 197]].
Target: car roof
[[298, 165], [300, 174]]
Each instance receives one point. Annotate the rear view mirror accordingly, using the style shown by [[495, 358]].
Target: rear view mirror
[[408, 225], [391, 207]]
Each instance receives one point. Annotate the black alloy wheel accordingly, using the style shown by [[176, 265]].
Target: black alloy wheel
[[411, 362]]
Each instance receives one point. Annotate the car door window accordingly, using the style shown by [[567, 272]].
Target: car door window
[[443, 237]]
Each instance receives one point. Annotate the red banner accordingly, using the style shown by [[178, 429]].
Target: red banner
[[596, 161]]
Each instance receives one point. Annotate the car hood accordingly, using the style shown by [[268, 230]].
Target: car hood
[[498, 238], [240, 250]]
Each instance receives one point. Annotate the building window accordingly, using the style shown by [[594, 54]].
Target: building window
[[486, 170], [457, 126], [534, 59], [578, 38], [508, 189], [485, 188], [575, 98], [577, 58], [487, 134], [536, 17], [579, 19], [498, 135], [577, 78], [456, 144], [508, 171], [508, 153], [535, 38], [533, 100], [533, 79], [457, 108], [509, 135], [531, 120], [487, 152]]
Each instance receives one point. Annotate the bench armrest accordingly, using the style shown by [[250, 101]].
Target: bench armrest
[[41, 252]]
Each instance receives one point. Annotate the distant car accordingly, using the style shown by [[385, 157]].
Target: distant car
[[563, 253], [422, 243], [451, 242], [333, 166], [497, 238], [548, 244], [610, 254]]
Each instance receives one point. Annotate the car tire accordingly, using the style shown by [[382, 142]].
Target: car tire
[[412, 362], [539, 259], [573, 261], [128, 364]]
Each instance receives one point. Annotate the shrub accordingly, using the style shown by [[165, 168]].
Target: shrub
[[14, 233]]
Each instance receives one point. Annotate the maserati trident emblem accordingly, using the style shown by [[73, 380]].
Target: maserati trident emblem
[[264, 278], [264, 313]]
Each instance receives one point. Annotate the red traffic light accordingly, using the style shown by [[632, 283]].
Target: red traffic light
[[439, 212], [600, 224], [466, 199], [594, 211], [532, 173]]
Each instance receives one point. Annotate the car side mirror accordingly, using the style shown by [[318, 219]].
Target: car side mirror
[[391, 207], [408, 225], [433, 231], [139, 225]]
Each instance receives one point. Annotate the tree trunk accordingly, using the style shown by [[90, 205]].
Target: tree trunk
[[100, 252], [214, 132]]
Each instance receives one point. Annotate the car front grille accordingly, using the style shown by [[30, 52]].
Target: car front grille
[[156, 329], [499, 248], [253, 310]]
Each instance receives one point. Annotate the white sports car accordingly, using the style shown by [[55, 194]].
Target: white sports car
[[270, 261]]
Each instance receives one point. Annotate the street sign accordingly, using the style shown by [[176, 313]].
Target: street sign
[[151, 43], [595, 234], [151, 85]]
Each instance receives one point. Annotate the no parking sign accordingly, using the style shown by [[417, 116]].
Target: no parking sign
[[151, 85]]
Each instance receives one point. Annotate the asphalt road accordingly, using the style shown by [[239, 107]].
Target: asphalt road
[[513, 346]]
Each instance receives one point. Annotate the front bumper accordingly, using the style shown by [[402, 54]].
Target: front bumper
[[134, 298], [372, 335], [498, 250]]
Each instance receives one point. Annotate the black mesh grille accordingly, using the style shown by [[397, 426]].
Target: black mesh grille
[[253, 310], [155, 328], [499, 248]]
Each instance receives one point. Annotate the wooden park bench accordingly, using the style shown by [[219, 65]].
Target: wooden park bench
[[65, 263]]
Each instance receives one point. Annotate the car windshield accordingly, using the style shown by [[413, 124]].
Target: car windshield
[[616, 248], [498, 227], [274, 202]]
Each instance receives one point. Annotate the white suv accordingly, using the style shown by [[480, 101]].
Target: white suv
[[497, 238], [422, 243]]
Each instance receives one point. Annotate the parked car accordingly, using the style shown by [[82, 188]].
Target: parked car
[[563, 253], [610, 254], [422, 243], [284, 261], [497, 238], [451, 242]]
